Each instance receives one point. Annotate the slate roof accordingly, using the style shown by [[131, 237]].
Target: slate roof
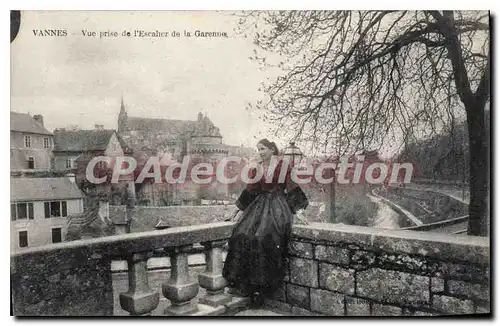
[[173, 127], [83, 140], [23, 122], [206, 127], [89, 224], [30, 189]]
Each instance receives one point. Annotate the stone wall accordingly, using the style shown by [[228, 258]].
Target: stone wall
[[75, 278], [332, 270], [144, 218], [347, 270], [61, 281]]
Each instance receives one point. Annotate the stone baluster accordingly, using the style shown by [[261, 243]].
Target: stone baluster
[[212, 279], [140, 299], [181, 288]]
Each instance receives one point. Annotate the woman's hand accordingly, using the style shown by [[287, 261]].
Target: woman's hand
[[301, 217], [232, 217]]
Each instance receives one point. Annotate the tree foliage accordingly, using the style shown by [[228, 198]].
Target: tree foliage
[[442, 157], [358, 79], [351, 80]]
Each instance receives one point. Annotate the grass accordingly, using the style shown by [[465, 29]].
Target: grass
[[353, 207]]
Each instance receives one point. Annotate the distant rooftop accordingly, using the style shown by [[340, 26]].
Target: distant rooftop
[[155, 125], [202, 127], [23, 122], [30, 189], [83, 140]]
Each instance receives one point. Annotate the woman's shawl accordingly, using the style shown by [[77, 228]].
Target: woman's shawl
[[295, 197]]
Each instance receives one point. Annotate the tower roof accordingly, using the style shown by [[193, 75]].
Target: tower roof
[[122, 107], [206, 128]]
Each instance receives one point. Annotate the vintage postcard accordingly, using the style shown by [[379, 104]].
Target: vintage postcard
[[250, 163]]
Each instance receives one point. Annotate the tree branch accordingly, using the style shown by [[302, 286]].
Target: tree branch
[[449, 31]]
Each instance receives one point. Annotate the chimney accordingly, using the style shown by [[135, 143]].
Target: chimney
[[104, 209], [39, 118], [71, 177], [99, 127], [200, 116]]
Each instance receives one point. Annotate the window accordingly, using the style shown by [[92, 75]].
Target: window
[[55, 209], [13, 212], [27, 141], [68, 163], [31, 162], [21, 211], [56, 235], [46, 142], [101, 165], [23, 239]]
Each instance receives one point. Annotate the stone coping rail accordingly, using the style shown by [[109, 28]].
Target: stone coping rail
[[74, 278], [120, 246], [430, 244], [345, 270]]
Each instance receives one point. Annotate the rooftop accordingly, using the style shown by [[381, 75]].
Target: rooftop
[[154, 125], [202, 127], [30, 189], [83, 140], [23, 122]]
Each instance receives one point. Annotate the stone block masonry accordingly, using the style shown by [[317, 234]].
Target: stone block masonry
[[331, 271], [71, 282], [358, 271], [75, 279]]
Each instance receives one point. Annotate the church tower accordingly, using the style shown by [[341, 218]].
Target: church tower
[[122, 119], [205, 146]]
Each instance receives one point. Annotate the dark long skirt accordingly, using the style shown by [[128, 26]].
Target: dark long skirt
[[257, 248]]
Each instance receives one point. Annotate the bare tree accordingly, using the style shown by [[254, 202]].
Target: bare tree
[[362, 79]]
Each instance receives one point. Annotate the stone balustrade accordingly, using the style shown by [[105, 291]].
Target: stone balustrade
[[74, 278], [332, 270]]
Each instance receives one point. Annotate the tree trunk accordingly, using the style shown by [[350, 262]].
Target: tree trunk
[[479, 171]]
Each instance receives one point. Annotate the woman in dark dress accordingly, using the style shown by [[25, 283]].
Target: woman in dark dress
[[255, 263]]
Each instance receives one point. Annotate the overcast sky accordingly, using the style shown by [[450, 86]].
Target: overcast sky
[[79, 80]]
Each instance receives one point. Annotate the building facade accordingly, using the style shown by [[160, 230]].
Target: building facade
[[69, 145], [40, 208], [30, 144], [200, 141]]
